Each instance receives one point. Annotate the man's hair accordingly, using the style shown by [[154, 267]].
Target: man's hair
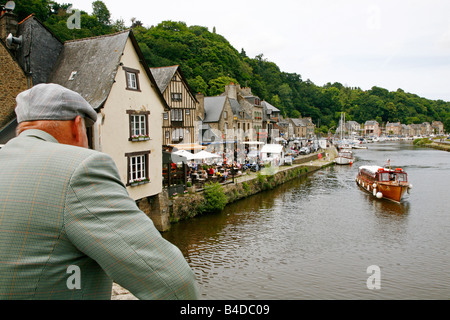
[[48, 126]]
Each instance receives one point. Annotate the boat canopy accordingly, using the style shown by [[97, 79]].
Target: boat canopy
[[371, 169]]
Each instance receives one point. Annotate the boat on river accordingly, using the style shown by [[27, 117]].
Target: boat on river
[[344, 156], [384, 183]]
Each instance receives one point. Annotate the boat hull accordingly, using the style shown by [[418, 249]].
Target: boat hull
[[343, 160], [393, 191]]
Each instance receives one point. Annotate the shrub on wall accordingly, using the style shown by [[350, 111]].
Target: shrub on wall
[[215, 198]]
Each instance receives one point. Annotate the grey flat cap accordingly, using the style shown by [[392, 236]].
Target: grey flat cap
[[49, 101]]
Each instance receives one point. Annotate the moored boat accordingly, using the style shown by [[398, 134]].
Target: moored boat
[[383, 183], [344, 157]]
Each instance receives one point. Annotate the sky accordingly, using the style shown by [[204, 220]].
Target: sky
[[387, 43]]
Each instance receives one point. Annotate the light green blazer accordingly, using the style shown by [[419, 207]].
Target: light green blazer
[[68, 228]]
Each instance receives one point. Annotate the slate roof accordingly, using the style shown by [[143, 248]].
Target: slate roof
[[96, 61], [213, 108], [238, 109], [163, 76], [270, 108]]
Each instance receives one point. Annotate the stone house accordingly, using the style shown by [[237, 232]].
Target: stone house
[[393, 128], [372, 128], [415, 129], [425, 129], [27, 61], [285, 128], [218, 120], [111, 74], [406, 130], [303, 127], [13, 80], [352, 128], [437, 127], [271, 117], [252, 104], [242, 118]]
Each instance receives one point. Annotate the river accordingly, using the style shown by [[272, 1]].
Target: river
[[315, 237]]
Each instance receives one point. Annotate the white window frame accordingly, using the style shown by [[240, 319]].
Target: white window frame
[[137, 167], [132, 80], [139, 124]]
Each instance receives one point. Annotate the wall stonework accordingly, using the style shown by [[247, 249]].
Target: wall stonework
[[12, 81], [157, 209]]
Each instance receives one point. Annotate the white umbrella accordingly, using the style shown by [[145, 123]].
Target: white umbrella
[[184, 153], [204, 155]]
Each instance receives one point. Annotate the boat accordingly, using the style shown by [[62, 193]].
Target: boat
[[384, 183], [344, 157]]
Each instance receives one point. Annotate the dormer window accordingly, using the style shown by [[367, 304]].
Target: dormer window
[[132, 79]]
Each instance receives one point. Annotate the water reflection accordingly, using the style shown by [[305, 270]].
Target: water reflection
[[313, 238]]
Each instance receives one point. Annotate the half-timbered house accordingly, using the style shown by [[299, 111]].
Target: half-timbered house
[[178, 126]]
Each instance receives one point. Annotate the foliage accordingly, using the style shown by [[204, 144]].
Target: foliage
[[209, 62], [422, 141], [215, 198]]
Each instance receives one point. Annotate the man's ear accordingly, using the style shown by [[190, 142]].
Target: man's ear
[[77, 127]]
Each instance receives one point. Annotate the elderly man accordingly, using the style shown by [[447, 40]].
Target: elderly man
[[67, 225]]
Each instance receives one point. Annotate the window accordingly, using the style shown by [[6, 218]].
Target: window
[[138, 167], [188, 112], [177, 134], [167, 134], [132, 79], [165, 115], [138, 124], [177, 114], [177, 97], [225, 115]]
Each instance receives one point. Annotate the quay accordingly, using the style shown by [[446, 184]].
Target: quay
[[184, 206]]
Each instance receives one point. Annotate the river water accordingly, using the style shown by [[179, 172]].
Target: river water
[[315, 237]]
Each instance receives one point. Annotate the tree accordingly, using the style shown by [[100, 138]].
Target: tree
[[217, 86], [198, 85], [101, 12]]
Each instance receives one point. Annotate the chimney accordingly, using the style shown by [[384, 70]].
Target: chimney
[[231, 91], [8, 24], [201, 106]]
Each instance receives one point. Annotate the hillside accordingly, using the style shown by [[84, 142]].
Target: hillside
[[209, 62]]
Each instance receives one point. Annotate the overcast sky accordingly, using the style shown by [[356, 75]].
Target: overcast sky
[[388, 43]]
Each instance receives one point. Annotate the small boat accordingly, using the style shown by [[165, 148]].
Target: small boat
[[344, 157], [383, 183]]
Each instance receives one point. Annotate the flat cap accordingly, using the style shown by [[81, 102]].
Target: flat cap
[[49, 101]]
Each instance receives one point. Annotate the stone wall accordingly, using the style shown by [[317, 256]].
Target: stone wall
[[157, 209], [12, 82]]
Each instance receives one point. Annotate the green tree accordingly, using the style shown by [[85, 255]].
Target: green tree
[[101, 12], [198, 85]]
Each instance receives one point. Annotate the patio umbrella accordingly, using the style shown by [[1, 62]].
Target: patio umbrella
[[184, 153], [204, 155]]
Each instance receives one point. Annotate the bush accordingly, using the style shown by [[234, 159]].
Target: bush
[[246, 187], [421, 142], [215, 198]]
